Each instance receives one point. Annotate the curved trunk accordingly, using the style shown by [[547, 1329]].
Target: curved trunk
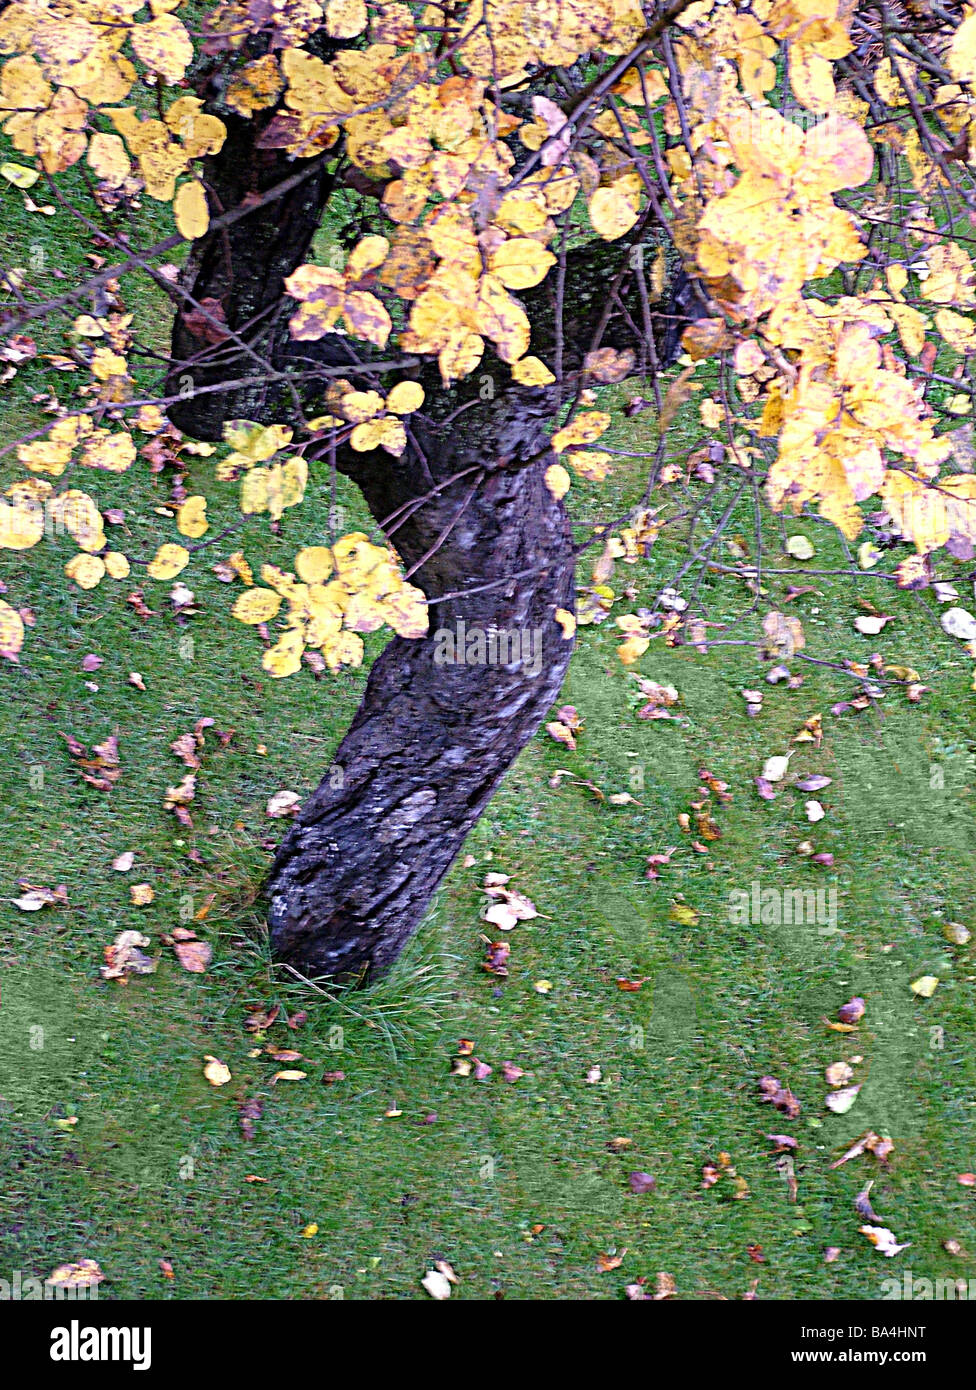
[[437, 728], [440, 722]]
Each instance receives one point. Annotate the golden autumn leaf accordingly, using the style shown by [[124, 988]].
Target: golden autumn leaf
[[314, 564], [531, 371], [520, 263], [344, 19], [170, 559], [285, 657], [11, 631], [405, 397], [256, 605], [190, 210], [191, 518], [216, 1072], [87, 571], [164, 46], [615, 208], [557, 480], [584, 429], [108, 159]]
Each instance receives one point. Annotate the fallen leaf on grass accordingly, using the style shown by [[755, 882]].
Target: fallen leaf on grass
[[84, 1274], [883, 1240], [283, 803], [216, 1072], [194, 955], [102, 769], [436, 1284], [841, 1101], [779, 1096], [862, 1203], [248, 1111], [605, 1263], [34, 896], [125, 957], [853, 1011]]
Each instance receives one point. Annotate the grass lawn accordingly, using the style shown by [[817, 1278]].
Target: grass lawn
[[521, 1186]]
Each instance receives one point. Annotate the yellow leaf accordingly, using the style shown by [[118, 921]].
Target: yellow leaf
[[191, 211], [531, 371], [113, 452], [191, 518], [344, 19], [344, 649], [614, 209], [925, 986], [633, 648], [520, 263], [86, 570], [962, 52], [566, 621], [217, 1073], [21, 525], [256, 606], [811, 77], [285, 658], [164, 46], [583, 430], [168, 561], [314, 564], [367, 254], [108, 159], [357, 406], [116, 564], [19, 175], [557, 480], [11, 631], [80, 517], [405, 398], [959, 332], [406, 612]]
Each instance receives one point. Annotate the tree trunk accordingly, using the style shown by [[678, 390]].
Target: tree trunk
[[431, 739], [235, 321]]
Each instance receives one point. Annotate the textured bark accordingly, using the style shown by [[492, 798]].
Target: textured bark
[[237, 273], [431, 741]]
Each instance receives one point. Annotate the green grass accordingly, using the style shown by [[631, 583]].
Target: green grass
[[515, 1185]]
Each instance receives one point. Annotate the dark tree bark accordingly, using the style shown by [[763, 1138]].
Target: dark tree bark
[[235, 279], [431, 741]]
